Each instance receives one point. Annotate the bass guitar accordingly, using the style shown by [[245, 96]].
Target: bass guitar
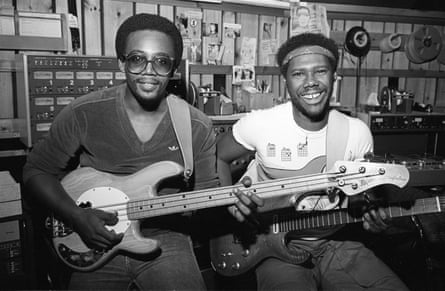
[[134, 197], [232, 256]]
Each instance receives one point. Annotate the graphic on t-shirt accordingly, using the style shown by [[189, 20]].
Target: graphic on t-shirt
[[286, 155], [302, 149], [271, 152]]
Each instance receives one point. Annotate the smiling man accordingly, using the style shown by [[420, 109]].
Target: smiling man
[[120, 131], [302, 137]]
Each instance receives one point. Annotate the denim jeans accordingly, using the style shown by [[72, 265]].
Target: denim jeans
[[174, 267], [339, 266]]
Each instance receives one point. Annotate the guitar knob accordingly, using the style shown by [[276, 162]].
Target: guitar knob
[[222, 265], [225, 254], [236, 266], [245, 253]]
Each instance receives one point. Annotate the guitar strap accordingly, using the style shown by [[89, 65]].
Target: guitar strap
[[180, 116], [336, 138]]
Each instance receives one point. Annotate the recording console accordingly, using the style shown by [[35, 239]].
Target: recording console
[[47, 83], [415, 139]]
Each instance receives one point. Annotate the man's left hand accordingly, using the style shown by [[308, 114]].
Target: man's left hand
[[376, 220]]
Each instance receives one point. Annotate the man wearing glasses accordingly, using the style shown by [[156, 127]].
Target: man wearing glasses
[[120, 131]]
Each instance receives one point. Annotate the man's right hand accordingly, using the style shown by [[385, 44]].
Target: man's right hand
[[246, 206], [90, 225]]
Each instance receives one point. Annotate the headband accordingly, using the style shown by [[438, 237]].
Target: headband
[[307, 50]]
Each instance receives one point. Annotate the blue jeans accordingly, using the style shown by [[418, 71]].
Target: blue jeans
[[174, 268], [338, 266]]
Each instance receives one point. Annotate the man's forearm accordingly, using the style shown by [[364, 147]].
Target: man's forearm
[[47, 190]]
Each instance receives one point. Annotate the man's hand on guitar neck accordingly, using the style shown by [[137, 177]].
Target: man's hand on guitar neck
[[247, 204], [90, 224], [375, 220]]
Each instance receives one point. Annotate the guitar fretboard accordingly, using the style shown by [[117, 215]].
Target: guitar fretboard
[[285, 221]]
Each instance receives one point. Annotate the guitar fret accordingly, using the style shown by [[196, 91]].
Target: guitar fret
[[302, 221], [286, 224]]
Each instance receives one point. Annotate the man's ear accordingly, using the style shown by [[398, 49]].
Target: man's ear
[[121, 65]]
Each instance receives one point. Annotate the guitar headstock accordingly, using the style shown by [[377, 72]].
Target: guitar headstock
[[355, 177]]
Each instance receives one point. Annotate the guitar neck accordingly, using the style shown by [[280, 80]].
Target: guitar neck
[[196, 200], [285, 221]]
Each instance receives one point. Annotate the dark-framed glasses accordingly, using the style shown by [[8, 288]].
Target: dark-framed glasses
[[137, 63]]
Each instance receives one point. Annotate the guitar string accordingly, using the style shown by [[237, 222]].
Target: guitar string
[[152, 203], [158, 200], [216, 199]]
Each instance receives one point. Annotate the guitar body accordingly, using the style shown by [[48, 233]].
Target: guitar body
[[232, 255], [91, 188]]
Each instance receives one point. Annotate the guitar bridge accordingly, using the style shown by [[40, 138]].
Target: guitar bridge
[[57, 227]]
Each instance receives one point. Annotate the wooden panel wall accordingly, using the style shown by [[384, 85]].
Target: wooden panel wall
[[100, 19]]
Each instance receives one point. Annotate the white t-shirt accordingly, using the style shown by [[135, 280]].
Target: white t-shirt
[[280, 143], [284, 149]]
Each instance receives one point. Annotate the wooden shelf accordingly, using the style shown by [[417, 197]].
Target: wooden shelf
[[392, 73], [14, 42], [13, 153], [38, 43], [227, 70], [9, 134], [270, 70]]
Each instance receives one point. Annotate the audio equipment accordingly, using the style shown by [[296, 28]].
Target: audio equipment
[[393, 100], [357, 41], [423, 45], [47, 83], [413, 139], [390, 43]]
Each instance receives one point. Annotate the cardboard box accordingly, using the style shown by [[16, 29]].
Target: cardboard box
[[253, 101], [210, 101]]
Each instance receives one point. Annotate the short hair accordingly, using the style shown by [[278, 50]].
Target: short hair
[[145, 21], [306, 39]]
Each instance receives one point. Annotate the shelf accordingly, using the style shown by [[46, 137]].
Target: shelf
[[13, 153], [227, 70], [269, 70], [9, 134], [38, 43]]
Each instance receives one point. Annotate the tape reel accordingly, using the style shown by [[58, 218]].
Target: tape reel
[[441, 56], [423, 45], [390, 43], [385, 98], [357, 41]]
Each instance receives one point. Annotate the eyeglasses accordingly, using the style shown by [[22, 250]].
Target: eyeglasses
[[137, 63]]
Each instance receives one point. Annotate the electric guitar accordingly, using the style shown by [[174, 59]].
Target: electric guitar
[[134, 197], [231, 255]]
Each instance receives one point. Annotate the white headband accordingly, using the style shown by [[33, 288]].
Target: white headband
[[307, 50]]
